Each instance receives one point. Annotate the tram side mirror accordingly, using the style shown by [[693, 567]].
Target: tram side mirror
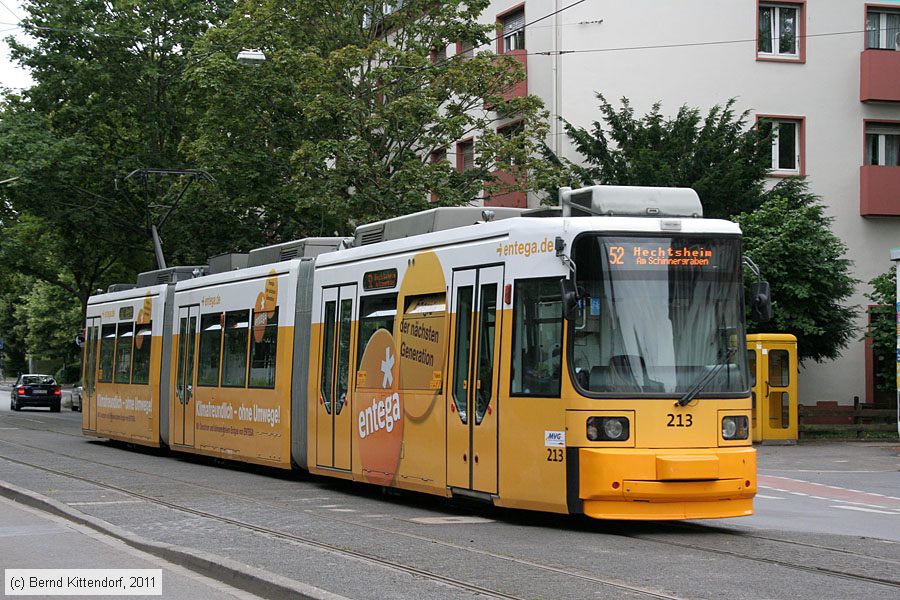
[[760, 302], [79, 340], [569, 299]]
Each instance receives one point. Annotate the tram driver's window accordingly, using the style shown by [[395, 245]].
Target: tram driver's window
[[537, 338], [376, 312]]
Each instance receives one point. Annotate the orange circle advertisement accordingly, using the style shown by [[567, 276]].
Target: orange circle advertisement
[[379, 413]]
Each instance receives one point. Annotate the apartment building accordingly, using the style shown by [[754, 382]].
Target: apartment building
[[826, 71]]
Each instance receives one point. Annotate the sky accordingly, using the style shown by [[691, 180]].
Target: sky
[[11, 75]]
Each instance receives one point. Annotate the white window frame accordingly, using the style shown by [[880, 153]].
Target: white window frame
[[776, 30], [881, 131], [513, 38], [883, 42], [776, 132]]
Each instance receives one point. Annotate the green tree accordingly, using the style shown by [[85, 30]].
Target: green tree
[[13, 288], [882, 330], [340, 124], [717, 155], [108, 98], [51, 320], [790, 238]]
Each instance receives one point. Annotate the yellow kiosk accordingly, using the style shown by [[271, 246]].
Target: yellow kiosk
[[772, 358]]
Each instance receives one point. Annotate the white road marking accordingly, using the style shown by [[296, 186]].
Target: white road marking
[[798, 494], [329, 506], [869, 510], [827, 471], [104, 502], [769, 497], [450, 520], [342, 510], [7, 428]]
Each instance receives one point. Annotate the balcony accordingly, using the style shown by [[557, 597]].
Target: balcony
[[879, 76], [879, 191]]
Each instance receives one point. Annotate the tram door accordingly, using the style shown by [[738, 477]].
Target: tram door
[[475, 351], [185, 377], [333, 413], [89, 375]]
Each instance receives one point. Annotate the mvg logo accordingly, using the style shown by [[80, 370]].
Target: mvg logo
[[555, 439]]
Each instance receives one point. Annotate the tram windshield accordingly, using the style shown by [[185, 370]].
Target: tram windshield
[[659, 315]]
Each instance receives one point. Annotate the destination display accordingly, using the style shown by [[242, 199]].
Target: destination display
[[662, 253], [380, 280]]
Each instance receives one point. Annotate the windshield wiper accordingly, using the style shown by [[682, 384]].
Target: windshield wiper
[[701, 383]]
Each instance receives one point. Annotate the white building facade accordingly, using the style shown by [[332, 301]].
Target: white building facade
[[827, 71]]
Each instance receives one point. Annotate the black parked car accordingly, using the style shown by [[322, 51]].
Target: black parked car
[[36, 390]]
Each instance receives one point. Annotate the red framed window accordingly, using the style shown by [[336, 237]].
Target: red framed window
[[511, 24], [788, 144], [781, 31]]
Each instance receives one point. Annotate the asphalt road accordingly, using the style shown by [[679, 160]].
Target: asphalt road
[[807, 540], [846, 488]]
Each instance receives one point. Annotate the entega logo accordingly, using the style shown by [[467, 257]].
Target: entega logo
[[379, 417]]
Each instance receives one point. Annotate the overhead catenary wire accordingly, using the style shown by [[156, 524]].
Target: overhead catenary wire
[[9, 10], [689, 44]]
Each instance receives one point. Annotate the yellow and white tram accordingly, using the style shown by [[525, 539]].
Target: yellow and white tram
[[574, 364]]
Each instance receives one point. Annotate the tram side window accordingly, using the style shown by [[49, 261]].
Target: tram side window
[[263, 348], [123, 353], [143, 340], [376, 312], [537, 338], [234, 359], [107, 353], [422, 331], [210, 349]]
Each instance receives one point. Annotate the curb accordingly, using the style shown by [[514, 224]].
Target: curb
[[245, 577]]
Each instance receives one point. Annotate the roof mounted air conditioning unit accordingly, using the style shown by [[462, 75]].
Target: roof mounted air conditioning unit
[[629, 201]]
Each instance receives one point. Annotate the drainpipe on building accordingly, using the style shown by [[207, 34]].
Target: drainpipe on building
[[557, 87], [895, 256]]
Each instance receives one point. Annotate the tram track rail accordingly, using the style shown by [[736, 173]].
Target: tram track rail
[[517, 560], [332, 548]]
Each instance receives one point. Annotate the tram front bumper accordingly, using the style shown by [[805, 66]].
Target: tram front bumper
[[628, 483]]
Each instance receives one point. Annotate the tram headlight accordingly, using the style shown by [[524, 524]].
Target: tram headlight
[[735, 428], [608, 429]]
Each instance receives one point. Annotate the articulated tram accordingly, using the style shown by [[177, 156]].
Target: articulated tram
[[582, 359]]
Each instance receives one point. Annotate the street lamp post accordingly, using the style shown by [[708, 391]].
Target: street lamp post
[[251, 57]]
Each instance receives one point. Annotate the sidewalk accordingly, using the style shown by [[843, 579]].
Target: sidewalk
[[31, 539]]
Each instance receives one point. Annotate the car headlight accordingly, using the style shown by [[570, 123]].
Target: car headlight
[[608, 429], [735, 428]]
